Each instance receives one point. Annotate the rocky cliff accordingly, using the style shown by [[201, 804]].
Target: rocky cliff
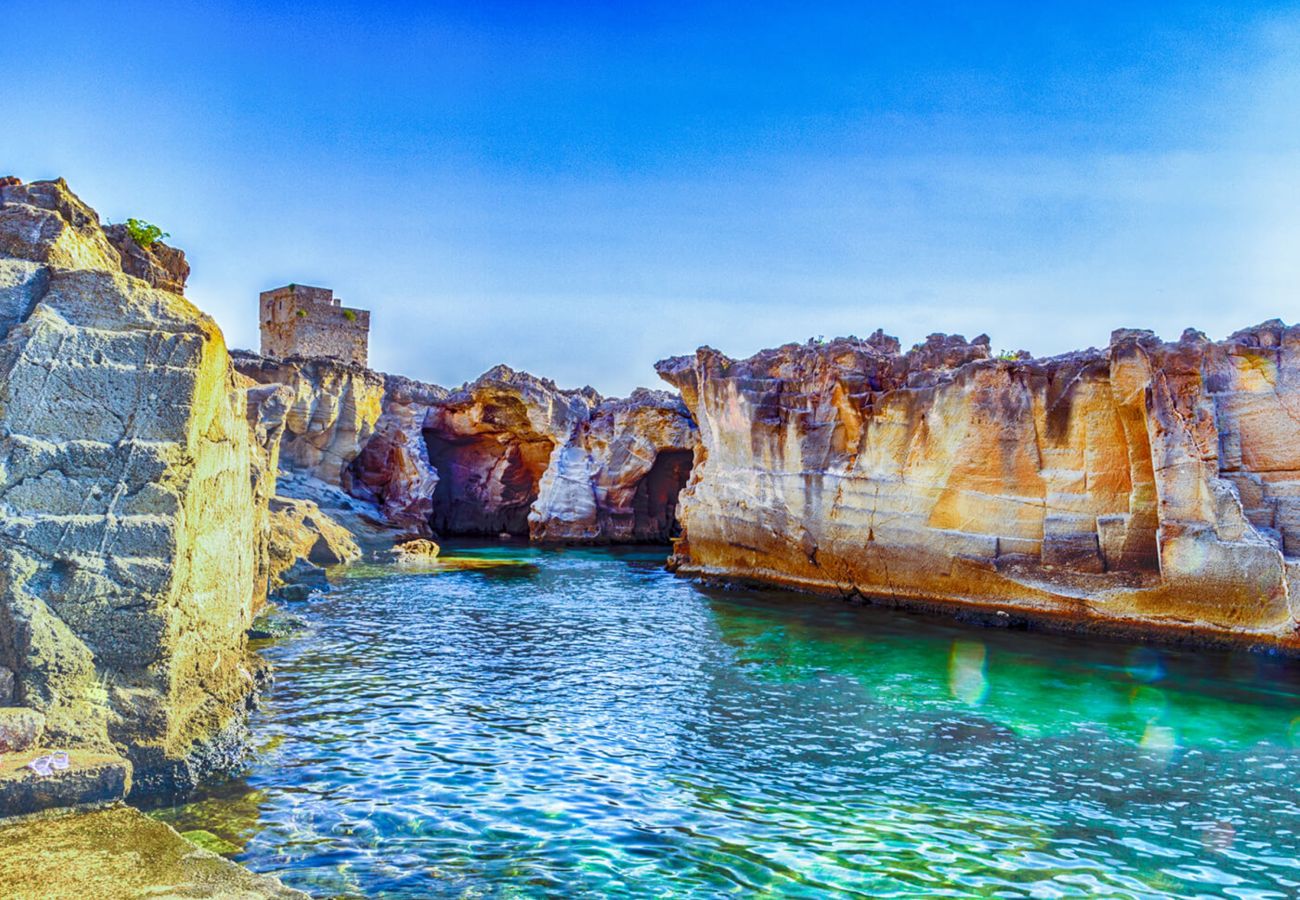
[[127, 511], [1150, 486], [354, 429], [506, 453], [491, 441], [516, 454], [616, 476], [332, 410], [393, 469]]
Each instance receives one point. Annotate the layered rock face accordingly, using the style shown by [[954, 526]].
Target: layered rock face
[[491, 441], [518, 455], [393, 469], [1151, 486], [354, 429], [333, 408], [127, 514], [507, 453], [617, 476]]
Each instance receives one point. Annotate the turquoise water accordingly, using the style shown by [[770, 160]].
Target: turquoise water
[[583, 724]]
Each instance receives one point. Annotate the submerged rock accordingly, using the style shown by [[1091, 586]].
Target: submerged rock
[[420, 548], [275, 623], [300, 581], [119, 854], [1151, 486]]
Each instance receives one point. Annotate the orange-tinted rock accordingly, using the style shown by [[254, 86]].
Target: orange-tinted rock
[[393, 469], [128, 530], [162, 266], [333, 408], [517, 454], [491, 441], [1151, 486]]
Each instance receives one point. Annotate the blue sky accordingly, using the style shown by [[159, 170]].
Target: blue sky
[[580, 189]]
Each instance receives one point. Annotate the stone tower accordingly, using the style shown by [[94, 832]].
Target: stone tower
[[298, 320]]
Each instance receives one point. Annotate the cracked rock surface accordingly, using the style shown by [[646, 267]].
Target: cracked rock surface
[[1148, 487], [127, 511]]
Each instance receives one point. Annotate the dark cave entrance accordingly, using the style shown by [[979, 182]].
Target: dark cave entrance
[[654, 506], [486, 483]]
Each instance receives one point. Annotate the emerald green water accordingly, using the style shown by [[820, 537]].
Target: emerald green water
[[583, 724]]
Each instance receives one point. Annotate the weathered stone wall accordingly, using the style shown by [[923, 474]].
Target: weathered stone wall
[[490, 442], [305, 321], [393, 469], [509, 452], [1151, 486]]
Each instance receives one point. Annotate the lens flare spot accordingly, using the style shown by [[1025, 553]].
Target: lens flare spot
[[1160, 741], [1145, 664], [966, 678], [1147, 704]]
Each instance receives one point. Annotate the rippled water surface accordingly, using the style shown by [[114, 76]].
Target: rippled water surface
[[583, 724]]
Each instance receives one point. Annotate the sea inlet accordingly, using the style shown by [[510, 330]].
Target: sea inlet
[[521, 722]]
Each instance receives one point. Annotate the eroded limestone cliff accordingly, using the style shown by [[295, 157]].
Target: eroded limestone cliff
[[127, 511], [517, 454], [393, 469], [332, 410], [617, 475], [491, 442], [1150, 486], [506, 453]]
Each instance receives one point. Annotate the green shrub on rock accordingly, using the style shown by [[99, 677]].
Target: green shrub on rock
[[145, 234]]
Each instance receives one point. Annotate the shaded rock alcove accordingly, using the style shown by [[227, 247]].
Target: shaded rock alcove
[[490, 443], [654, 505], [487, 483]]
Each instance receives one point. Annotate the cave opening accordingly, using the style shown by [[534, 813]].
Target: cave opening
[[486, 482], [654, 506]]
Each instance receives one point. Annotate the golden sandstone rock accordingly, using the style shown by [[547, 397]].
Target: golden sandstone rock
[[332, 410], [127, 520], [1151, 487], [119, 853]]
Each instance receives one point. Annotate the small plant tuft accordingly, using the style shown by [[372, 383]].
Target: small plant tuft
[[145, 234], [350, 315], [1008, 355], [302, 313]]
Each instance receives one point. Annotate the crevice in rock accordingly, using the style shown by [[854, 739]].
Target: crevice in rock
[[654, 505]]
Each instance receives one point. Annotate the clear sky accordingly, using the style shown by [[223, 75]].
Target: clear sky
[[579, 189]]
